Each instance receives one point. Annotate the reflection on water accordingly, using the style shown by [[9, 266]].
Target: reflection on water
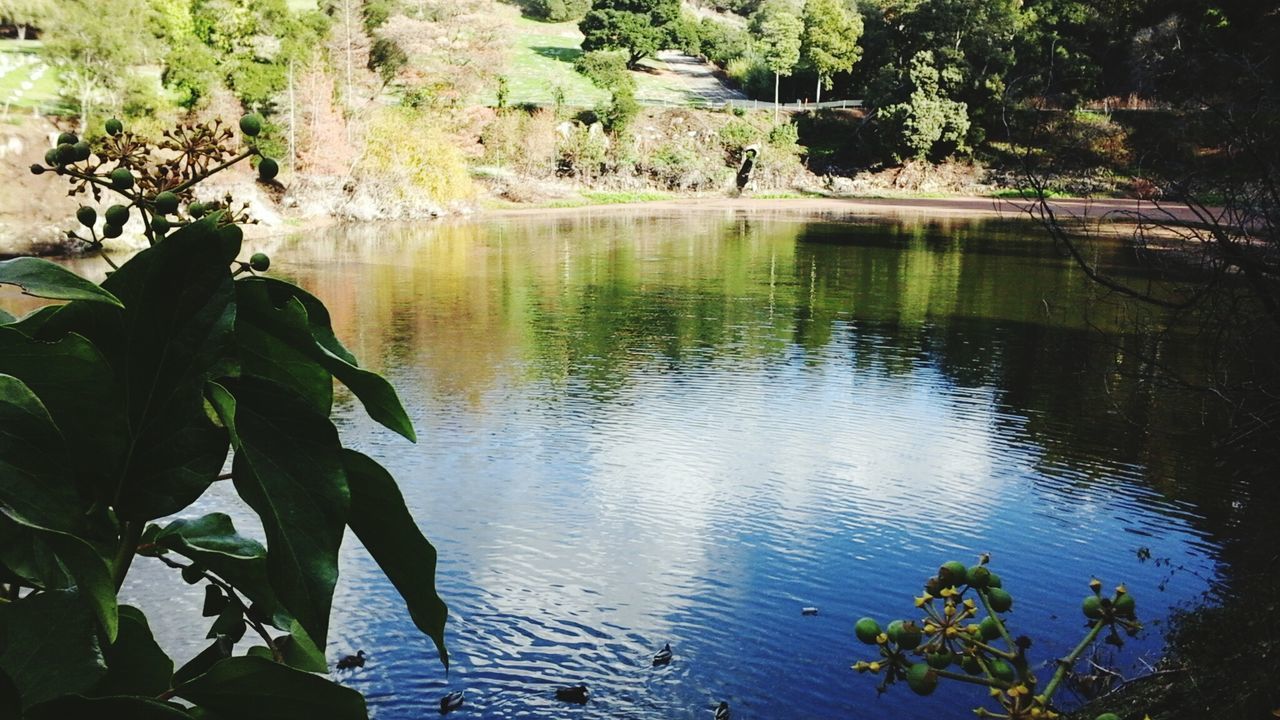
[[641, 430]]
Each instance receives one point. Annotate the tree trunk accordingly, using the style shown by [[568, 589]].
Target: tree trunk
[[818, 95], [775, 97]]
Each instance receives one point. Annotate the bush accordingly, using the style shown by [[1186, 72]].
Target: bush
[[608, 71], [191, 71], [523, 142], [558, 10], [928, 124], [409, 154], [387, 58], [723, 43], [582, 152]]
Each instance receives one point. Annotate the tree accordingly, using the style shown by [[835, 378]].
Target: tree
[[778, 29], [608, 71], [830, 41], [927, 123], [95, 46], [638, 27], [120, 407], [24, 14]]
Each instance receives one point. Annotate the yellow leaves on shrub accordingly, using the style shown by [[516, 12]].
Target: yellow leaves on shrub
[[408, 150]]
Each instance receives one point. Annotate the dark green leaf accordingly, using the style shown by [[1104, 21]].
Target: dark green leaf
[[29, 558], [230, 623], [135, 663], [383, 523], [175, 333], [31, 323], [211, 542], [10, 700], [36, 486], [54, 560], [41, 278], [124, 707], [50, 646], [215, 600], [288, 468], [77, 385], [299, 652], [6, 318], [275, 326], [253, 688], [205, 659]]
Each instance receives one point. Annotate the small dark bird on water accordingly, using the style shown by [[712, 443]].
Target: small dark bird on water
[[351, 662], [450, 702], [722, 711], [663, 656], [575, 694]]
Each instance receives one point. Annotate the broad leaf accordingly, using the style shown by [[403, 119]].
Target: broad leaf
[[41, 278], [6, 318], [75, 382], [211, 542], [288, 468], [277, 334], [10, 700], [298, 651], [383, 523], [135, 663], [253, 688], [203, 661], [31, 561], [36, 485], [174, 334], [50, 646], [125, 707]]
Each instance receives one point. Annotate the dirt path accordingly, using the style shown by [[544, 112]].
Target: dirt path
[[699, 81]]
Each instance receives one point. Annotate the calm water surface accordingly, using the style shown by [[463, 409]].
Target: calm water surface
[[638, 430]]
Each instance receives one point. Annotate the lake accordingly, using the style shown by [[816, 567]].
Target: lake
[[639, 429]]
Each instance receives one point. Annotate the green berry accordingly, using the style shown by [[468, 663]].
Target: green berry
[[1002, 670], [922, 679], [192, 574], [952, 573], [938, 661], [117, 215], [87, 216], [82, 151], [231, 233], [166, 203], [260, 262], [51, 156], [66, 154], [121, 179], [114, 127], [978, 576], [906, 635], [251, 125], [989, 628], [160, 224], [67, 139], [1107, 716], [268, 169], [867, 629], [196, 210], [994, 581], [1124, 605], [111, 231], [1092, 607], [1001, 601], [971, 665], [37, 169]]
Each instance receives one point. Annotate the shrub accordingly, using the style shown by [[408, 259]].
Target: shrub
[[928, 124], [582, 152], [523, 142], [409, 154], [387, 58]]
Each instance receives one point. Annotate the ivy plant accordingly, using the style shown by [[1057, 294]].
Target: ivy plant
[[122, 402]]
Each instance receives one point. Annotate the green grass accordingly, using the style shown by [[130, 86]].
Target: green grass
[[1025, 194], [43, 92], [616, 198], [541, 58]]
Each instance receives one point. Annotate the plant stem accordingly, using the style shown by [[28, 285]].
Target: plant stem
[[1004, 632], [1064, 664], [985, 682], [130, 536], [230, 590], [242, 156]]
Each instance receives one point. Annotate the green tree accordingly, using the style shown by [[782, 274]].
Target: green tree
[[830, 41], [96, 46], [778, 30], [608, 71], [24, 15], [927, 123], [559, 10], [638, 27], [121, 404]]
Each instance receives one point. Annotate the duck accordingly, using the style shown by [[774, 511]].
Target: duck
[[575, 694], [663, 656], [722, 711], [809, 611], [351, 662], [450, 702]]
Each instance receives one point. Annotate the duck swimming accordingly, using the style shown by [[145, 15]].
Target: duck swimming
[[663, 656], [450, 702], [575, 694], [722, 711], [351, 662]]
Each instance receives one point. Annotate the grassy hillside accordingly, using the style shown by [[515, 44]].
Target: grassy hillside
[[25, 81]]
